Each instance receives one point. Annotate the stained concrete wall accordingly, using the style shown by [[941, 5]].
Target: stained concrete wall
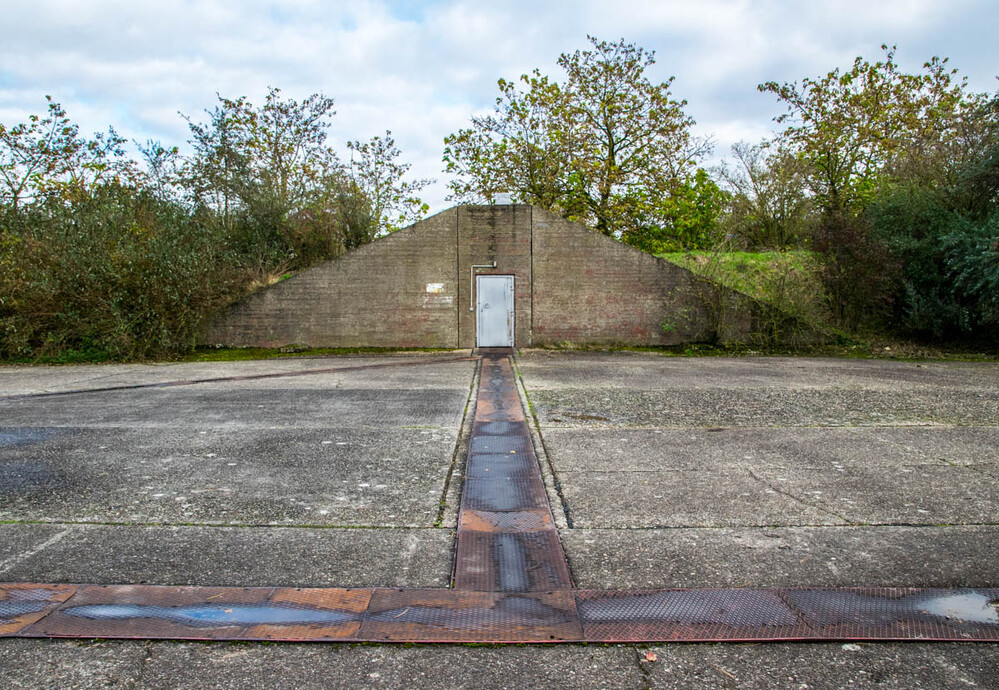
[[589, 288], [501, 234], [399, 291], [414, 289]]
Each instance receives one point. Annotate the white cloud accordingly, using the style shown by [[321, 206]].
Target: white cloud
[[421, 69]]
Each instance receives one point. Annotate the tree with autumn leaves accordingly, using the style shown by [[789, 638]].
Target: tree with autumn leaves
[[605, 146], [901, 168]]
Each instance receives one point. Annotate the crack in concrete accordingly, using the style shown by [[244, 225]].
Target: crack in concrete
[[806, 525], [803, 502], [216, 525]]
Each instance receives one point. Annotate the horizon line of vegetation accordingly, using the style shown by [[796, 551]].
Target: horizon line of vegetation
[[878, 199]]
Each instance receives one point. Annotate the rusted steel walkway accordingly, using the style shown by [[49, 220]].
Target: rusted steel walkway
[[506, 535], [511, 584]]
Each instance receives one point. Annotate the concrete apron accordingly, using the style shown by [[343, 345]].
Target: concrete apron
[[511, 584]]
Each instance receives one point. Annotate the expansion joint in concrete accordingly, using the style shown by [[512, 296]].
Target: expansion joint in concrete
[[553, 486]]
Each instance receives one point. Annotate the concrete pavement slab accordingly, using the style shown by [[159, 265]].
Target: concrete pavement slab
[[23, 379], [955, 556], [643, 371], [224, 406], [36, 663], [227, 556], [78, 664], [679, 399], [883, 495], [101, 664], [689, 498], [655, 450], [720, 407], [895, 666], [179, 474]]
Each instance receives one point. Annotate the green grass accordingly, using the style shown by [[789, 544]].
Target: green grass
[[789, 281], [753, 273]]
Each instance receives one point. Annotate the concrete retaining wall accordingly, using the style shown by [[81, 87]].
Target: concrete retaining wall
[[414, 288], [399, 291]]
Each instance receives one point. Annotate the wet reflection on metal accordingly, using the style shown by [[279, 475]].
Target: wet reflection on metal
[[441, 615], [22, 604], [507, 541], [209, 616]]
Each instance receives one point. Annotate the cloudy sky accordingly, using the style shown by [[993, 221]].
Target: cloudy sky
[[421, 69]]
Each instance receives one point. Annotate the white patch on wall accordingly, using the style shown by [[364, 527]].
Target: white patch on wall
[[436, 299]]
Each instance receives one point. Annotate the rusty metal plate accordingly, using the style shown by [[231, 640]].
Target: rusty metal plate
[[491, 408], [307, 615], [503, 495], [899, 613], [501, 467], [687, 615], [511, 562], [407, 615], [205, 613], [22, 604], [728, 615], [519, 444], [511, 521], [496, 428]]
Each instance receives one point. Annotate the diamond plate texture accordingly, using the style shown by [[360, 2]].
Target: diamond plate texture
[[511, 562], [452, 616], [23, 604], [206, 613]]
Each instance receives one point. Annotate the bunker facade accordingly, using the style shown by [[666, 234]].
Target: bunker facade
[[487, 276]]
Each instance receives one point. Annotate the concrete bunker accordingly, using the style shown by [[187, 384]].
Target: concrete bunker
[[489, 276]]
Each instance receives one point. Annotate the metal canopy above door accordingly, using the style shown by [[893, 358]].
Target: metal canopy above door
[[494, 312]]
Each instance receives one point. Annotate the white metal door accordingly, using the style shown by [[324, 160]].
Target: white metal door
[[494, 315]]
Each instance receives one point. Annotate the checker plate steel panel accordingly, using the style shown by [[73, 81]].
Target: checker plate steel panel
[[207, 613], [511, 562], [455, 616], [728, 615], [21, 604], [441, 615], [511, 521], [522, 552]]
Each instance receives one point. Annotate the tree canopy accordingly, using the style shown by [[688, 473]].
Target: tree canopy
[[871, 122], [605, 146], [104, 257]]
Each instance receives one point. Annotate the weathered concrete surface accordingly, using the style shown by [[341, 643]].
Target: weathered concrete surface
[[899, 667], [954, 556], [754, 471], [102, 664], [191, 484], [53, 663], [621, 537], [210, 473], [226, 557]]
